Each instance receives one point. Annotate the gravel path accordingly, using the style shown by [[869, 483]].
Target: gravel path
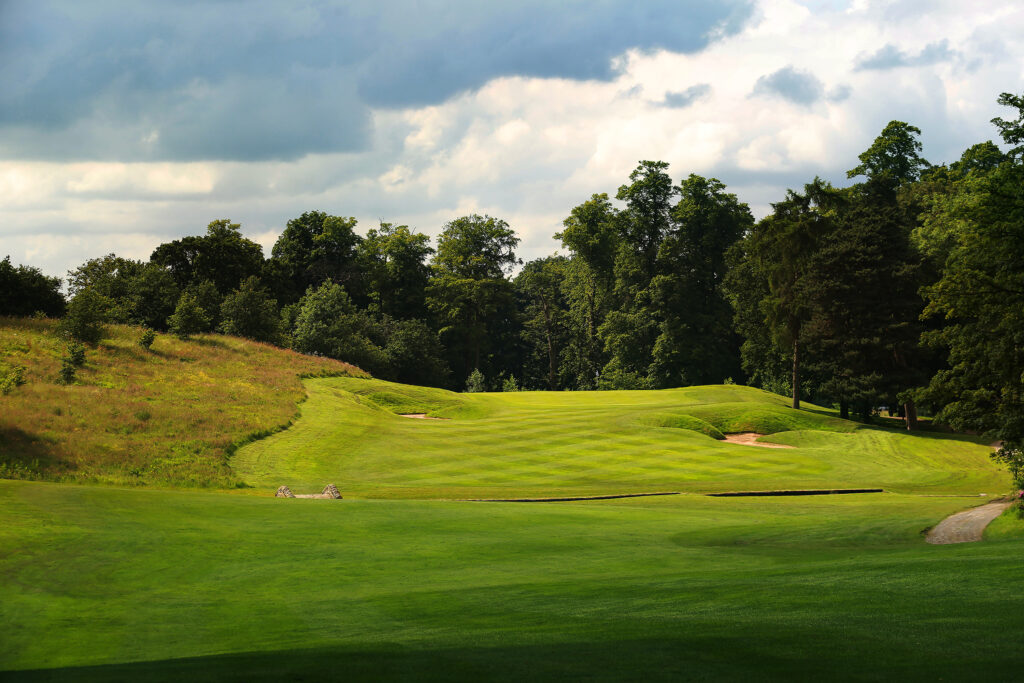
[[966, 526]]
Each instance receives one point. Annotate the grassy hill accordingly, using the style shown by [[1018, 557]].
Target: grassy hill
[[591, 443], [167, 416]]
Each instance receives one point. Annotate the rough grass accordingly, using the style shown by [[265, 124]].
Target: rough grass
[[119, 584], [544, 444], [167, 416]]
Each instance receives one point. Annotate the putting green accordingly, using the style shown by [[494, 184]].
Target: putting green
[[543, 444]]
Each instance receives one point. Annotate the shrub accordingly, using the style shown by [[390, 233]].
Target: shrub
[[476, 382], [188, 318], [85, 317], [76, 354], [147, 338], [510, 384], [250, 312], [11, 377], [67, 372]]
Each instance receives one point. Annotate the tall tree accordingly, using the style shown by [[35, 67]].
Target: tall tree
[[591, 234], [24, 290], [223, 256], [540, 284], [315, 247], [470, 294], [980, 296], [394, 260], [687, 291]]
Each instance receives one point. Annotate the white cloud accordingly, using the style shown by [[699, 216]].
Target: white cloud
[[528, 149]]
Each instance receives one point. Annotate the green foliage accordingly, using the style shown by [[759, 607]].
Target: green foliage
[[315, 247], [476, 382], [894, 156], [394, 261], [329, 324], [222, 256], [510, 384], [250, 312], [85, 317], [545, 326], [11, 377], [68, 369], [1012, 131], [25, 290], [76, 354], [189, 317], [147, 338]]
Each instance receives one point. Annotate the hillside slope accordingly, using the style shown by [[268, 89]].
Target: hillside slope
[[166, 416], [528, 444]]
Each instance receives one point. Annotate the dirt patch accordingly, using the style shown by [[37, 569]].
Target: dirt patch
[[559, 500], [420, 416], [967, 526], [750, 439]]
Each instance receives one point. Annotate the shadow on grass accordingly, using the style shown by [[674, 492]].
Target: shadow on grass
[[25, 455], [701, 658]]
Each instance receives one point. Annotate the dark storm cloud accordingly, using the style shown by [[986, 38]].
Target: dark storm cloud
[[265, 80], [796, 86], [891, 57]]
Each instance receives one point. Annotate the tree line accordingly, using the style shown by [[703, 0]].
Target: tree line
[[903, 290]]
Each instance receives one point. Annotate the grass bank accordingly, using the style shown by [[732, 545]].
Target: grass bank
[[165, 416]]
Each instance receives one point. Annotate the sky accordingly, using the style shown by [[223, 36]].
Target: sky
[[127, 124]]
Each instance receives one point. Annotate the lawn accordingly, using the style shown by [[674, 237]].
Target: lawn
[[592, 443], [127, 584]]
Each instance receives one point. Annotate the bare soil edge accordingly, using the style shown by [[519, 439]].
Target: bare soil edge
[[794, 492], [967, 526], [420, 416], [568, 498]]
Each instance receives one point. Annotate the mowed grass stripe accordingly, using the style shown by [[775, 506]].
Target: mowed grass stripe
[[579, 443]]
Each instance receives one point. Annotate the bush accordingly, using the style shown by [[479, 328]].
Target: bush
[[147, 338], [476, 382], [85, 317], [189, 318], [510, 384], [67, 372], [250, 312], [11, 378], [76, 354]]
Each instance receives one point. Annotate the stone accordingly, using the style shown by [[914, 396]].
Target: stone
[[285, 492]]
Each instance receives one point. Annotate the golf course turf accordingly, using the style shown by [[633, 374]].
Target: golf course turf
[[398, 581]]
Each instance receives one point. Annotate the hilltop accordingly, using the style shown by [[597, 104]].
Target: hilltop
[[170, 415]]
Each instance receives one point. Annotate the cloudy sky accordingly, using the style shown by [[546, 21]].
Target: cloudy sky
[[127, 124]]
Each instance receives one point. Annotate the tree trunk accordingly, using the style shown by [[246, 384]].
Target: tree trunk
[[796, 375], [910, 410], [844, 409]]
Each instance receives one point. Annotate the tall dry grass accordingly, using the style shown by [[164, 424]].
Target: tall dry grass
[[171, 415]]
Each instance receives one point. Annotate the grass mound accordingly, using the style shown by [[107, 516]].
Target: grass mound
[[168, 416], [553, 444]]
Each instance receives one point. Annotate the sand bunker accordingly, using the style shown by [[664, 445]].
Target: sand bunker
[[750, 439], [421, 416]]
